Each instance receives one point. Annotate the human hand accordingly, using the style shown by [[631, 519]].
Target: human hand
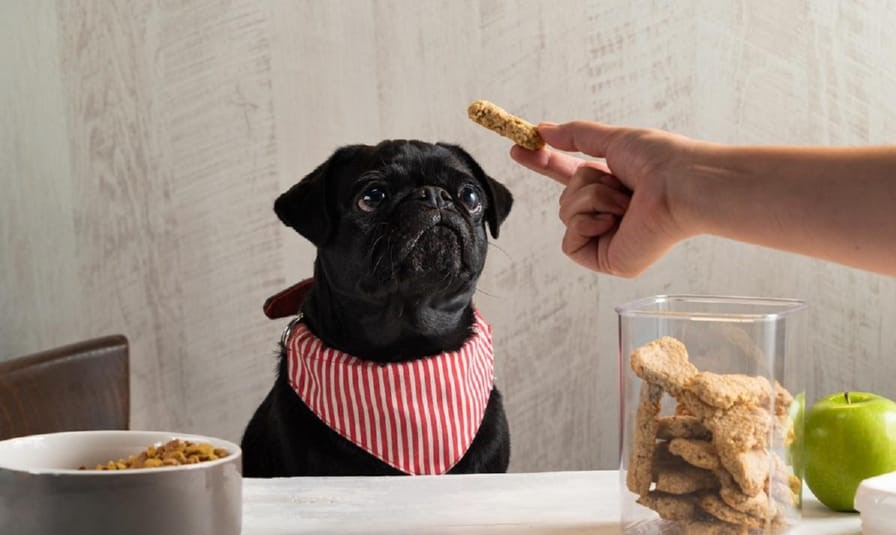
[[623, 215]]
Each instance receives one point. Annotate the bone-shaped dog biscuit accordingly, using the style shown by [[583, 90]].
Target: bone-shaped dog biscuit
[[783, 400], [640, 469], [664, 362], [669, 506], [759, 505], [699, 453], [685, 479], [494, 118], [714, 505], [750, 469], [681, 426], [723, 391], [739, 429]]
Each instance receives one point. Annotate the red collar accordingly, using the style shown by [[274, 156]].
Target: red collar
[[287, 302]]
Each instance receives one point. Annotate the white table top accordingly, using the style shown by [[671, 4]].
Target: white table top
[[561, 503]]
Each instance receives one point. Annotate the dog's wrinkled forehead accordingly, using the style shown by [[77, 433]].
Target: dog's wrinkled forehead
[[404, 162]]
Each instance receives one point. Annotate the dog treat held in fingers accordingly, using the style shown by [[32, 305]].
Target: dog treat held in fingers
[[494, 118]]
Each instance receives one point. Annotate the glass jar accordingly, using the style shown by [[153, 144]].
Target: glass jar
[[711, 397]]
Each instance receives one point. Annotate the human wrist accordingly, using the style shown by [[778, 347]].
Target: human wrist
[[685, 182], [700, 188]]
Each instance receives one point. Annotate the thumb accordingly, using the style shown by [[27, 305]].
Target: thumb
[[581, 136]]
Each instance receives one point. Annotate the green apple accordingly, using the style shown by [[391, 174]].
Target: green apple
[[850, 436]]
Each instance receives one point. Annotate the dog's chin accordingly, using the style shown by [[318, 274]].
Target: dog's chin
[[431, 259]]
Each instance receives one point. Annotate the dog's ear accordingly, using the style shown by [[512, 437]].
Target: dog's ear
[[309, 206], [499, 198]]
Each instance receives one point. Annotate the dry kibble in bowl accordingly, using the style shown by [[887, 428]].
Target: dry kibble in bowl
[[175, 452]]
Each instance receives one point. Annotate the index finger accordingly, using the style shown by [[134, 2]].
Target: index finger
[[581, 136], [551, 163]]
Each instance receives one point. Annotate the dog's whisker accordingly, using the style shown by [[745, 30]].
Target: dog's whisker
[[489, 294], [379, 260], [498, 247]]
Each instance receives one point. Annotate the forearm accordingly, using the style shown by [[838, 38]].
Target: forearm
[[833, 203]]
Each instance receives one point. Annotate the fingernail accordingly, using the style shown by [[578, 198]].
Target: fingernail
[[547, 124]]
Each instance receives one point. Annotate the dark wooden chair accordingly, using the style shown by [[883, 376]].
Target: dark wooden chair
[[76, 387]]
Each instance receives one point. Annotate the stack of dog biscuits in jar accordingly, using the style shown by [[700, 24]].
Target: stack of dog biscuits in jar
[[712, 466]]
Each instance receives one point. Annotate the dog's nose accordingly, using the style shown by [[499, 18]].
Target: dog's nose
[[434, 195]]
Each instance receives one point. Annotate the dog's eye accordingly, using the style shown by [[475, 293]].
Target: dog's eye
[[470, 199], [371, 199]]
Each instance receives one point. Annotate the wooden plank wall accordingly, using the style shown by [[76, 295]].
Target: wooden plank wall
[[142, 145]]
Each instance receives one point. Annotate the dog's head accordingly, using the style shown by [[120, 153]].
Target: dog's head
[[402, 217]]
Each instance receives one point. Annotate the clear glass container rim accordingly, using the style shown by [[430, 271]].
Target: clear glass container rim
[[782, 307]]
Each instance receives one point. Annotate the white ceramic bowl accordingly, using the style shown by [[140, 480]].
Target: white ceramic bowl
[[42, 491]]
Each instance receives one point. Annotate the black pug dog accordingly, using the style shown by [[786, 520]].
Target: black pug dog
[[400, 231]]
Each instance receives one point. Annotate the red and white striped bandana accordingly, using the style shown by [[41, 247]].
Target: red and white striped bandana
[[419, 416]]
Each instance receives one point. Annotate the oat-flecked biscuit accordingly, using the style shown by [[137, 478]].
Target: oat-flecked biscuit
[[669, 506], [685, 479], [783, 400], [681, 426], [681, 410], [694, 406], [699, 453], [640, 468], [494, 118], [713, 504], [739, 429], [759, 505], [723, 391], [662, 458], [714, 527], [664, 362], [781, 492], [779, 469], [778, 524], [794, 484], [749, 469]]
